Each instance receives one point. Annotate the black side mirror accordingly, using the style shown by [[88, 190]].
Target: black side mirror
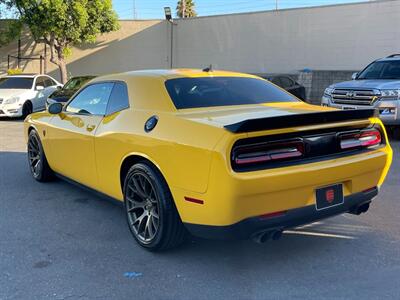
[[55, 108]]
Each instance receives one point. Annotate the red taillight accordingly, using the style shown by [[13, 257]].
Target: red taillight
[[268, 152], [366, 138]]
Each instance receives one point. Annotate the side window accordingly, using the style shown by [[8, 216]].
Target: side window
[[286, 82], [276, 80], [49, 82], [92, 100], [40, 82], [119, 98]]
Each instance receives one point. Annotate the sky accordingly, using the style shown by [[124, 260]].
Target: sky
[[153, 9]]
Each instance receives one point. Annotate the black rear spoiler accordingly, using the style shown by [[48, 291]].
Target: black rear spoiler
[[300, 120]]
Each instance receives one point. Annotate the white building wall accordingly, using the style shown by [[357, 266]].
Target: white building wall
[[341, 37]]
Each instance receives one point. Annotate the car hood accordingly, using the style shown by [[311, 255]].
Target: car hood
[[369, 84], [222, 116], [8, 93]]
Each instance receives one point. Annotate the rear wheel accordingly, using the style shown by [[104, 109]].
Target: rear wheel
[[38, 165], [150, 209]]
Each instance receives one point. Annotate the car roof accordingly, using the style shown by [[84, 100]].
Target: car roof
[[148, 85], [23, 75], [173, 73], [393, 57]]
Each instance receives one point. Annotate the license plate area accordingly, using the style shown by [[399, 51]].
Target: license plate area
[[329, 196]]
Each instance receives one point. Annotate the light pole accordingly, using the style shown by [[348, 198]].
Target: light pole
[[168, 17]]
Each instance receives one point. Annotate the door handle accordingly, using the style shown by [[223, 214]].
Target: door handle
[[90, 127]]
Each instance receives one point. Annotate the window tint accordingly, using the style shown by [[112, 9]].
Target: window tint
[[49, 82], [92, 99], [119, 98], [382, 70], [16, 83], [286, 82], [221, 91], [276, 80], [40, 81]]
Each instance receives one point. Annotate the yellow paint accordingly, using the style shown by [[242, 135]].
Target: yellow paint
[[191, 149]]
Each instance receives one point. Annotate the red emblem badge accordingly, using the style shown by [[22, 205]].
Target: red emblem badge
[[330, 195]]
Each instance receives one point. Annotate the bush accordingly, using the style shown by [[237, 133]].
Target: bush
[[14, 71]]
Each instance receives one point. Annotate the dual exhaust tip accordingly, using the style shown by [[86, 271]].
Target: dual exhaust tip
[[264, 236]]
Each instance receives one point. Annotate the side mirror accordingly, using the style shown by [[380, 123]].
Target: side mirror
[[55, 108], [39, 87], [354, 76]]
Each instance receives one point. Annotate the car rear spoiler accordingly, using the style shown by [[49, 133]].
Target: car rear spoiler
[[300, 120]]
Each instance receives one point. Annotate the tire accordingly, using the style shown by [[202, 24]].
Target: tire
[[37, 161], [150, 209], [26, 109]]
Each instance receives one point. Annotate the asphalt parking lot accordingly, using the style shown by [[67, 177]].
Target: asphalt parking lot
[[58, 241]]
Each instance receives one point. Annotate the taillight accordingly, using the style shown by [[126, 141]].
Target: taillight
[[361, 139], [268, 152]]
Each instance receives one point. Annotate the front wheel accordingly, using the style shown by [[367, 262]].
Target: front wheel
[[26, 109], [151, 213], [38, 164]]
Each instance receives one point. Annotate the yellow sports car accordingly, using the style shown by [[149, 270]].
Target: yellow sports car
[[213, 153]]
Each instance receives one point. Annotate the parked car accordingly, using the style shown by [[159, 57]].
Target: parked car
[[288, 84], [215, 153], [377, 86], [71, 87], [21, 95]]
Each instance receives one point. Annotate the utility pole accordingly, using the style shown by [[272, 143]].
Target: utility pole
[[134, 10], [183, 8], [276, 4]]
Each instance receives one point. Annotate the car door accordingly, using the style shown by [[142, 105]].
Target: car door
[[50, 87], [72, 132], [38, 102], [110, 148]]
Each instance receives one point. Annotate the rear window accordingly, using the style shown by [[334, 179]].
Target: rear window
[[223, 91]]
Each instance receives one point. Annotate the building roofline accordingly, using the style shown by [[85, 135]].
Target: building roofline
[[272, 11]]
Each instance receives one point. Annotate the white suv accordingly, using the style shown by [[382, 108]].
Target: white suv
[[23, 94]]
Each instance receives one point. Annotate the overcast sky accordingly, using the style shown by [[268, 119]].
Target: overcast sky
[[153, 9]]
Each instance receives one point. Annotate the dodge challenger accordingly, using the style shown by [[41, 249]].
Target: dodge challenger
[[213, 153]]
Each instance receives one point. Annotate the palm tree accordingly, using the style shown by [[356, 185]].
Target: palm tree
[[185, 9]]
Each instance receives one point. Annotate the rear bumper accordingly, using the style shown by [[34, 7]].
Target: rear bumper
[[292, 218]]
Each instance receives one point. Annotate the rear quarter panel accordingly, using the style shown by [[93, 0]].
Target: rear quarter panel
[[180, 149]]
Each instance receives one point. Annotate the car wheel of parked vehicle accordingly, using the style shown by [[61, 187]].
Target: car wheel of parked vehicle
[[26, 109], [151, 213], [38, 164]]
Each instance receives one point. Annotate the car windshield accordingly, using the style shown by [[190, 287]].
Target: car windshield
[[76, 82], [382, 70], [221, 91], [16, 83]]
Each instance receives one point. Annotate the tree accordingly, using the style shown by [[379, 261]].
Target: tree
[[63, 23], [186, 9]]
